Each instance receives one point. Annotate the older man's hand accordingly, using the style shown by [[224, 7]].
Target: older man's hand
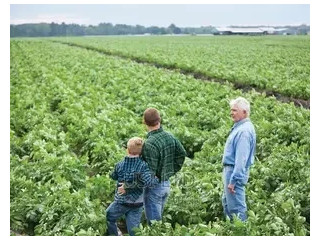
[[231, 188]]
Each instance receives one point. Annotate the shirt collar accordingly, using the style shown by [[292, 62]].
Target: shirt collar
[[155, 131], [240, 122], [127, 158]]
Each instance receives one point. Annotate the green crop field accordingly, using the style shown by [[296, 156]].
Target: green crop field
[[72, 109], [274, 63]]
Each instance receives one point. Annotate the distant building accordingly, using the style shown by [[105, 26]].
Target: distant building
[[240, 31], [248, 30], [281, 31]]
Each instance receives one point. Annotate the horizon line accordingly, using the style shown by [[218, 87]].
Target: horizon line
[[228, 25]]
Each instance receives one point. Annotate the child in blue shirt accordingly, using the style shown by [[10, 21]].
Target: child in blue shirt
[[135, 174]]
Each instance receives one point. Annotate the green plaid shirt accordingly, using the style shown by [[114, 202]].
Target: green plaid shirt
[[163, 153]]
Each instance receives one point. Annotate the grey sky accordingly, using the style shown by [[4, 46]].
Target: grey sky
[[182, 15]]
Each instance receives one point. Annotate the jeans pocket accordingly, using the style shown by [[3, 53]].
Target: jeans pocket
[[155, 195]]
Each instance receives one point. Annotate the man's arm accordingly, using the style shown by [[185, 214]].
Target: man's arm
[[150, 154], [147, 178], [180, 154], [242, 153]]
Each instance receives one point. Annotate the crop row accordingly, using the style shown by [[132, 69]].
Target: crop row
[[72, 110], [279, 64]]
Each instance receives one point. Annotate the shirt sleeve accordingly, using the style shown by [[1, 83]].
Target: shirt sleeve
[[148, 178], [180, 154], [242, 153], [143, 178], [114, 174], [150, 154]]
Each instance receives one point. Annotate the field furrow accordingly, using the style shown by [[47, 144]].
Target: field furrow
[[276, 64]]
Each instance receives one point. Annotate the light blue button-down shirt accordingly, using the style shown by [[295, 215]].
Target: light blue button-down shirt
[[240, 149]]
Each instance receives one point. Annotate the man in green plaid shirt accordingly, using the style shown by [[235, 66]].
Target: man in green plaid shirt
[[165, 156]]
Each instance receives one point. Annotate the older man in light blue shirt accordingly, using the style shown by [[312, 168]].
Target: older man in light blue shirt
[[237, 158]]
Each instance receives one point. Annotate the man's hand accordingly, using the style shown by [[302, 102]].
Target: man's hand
[[121, 189], [231, 188]]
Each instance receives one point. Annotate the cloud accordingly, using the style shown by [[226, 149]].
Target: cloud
[[56, 18]]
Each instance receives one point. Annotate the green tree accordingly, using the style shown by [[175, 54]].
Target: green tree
[[173, 29]]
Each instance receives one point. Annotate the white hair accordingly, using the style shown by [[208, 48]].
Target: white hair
[[241, 103]]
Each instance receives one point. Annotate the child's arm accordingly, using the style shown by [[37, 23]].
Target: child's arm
[[114, 174], [145, 178]]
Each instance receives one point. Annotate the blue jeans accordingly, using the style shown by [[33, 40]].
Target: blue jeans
[[116, 210], [234, 203], [154, 199]]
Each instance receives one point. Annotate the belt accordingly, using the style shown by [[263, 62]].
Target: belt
[[228, 165], [133, 205]]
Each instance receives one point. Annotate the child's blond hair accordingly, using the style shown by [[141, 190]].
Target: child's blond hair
[[134, 145]]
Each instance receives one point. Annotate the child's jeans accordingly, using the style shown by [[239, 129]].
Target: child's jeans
[[116, 210]]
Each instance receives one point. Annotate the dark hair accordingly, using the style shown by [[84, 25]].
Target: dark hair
[[151, 117]]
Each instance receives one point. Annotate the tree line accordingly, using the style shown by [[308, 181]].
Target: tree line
[[54, 29]]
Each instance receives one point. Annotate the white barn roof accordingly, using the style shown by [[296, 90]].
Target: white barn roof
[[242, 30], [246, 30]]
